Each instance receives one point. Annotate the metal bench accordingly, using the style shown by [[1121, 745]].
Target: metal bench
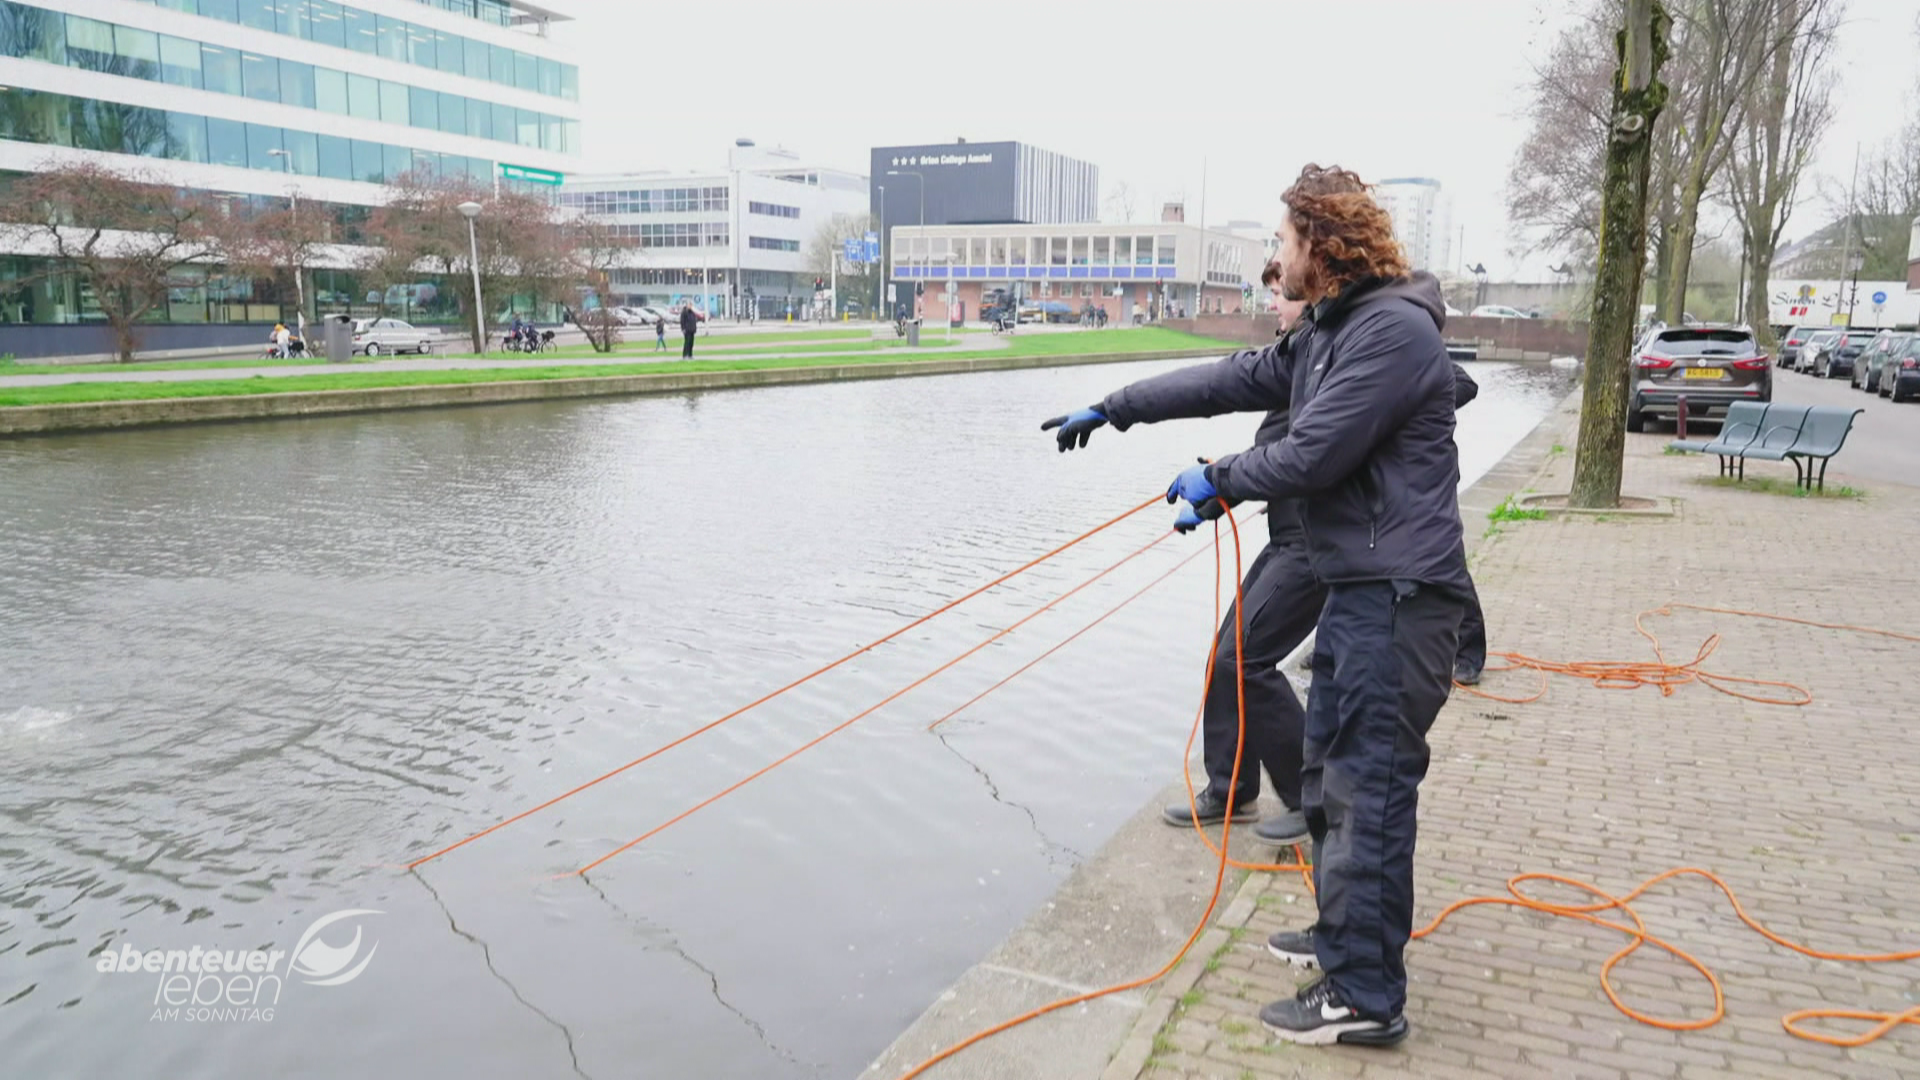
[[1740, 426], [1779, 431], [1819, 438]]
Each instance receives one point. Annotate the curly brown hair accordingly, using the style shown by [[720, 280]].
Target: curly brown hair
[[1349, 237], [1269, 274]]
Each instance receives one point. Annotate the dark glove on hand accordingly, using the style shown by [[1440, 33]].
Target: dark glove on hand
[[1203, 502], [1075, 427]]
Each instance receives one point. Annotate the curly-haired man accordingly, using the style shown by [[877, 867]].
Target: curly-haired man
[[1370, 453]]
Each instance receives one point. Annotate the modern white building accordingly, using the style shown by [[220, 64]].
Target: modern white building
[[1164, 269], [727, 240], [1422, 220], [263, 99]]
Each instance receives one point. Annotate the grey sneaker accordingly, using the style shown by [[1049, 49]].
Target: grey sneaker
[[1296, 947], [1212, 808], [1286, 827], [1320, 1016], [1465, 673]]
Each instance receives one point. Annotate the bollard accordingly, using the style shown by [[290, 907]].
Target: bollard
[[1680, 417]]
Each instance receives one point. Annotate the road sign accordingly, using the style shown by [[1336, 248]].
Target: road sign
[[531, 176], [1879, 298], [853, 250], [872, 242]]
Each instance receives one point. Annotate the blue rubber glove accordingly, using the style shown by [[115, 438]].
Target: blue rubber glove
[[1075, 427], [1187, 520], [1192, 485]]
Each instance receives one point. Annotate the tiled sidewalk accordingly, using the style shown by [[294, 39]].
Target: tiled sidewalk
[[1811, 814]]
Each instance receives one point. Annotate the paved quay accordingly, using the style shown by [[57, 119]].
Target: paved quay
[[1812, 814]]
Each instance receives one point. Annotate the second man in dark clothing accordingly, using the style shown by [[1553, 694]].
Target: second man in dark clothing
[[689, 326]]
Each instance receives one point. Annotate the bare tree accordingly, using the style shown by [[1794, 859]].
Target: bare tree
[[1786, 113], [523, 250], [1120, 204], [1638, 99], [278, 243], [1553, 185], [122, 232], [1726, 46], [595, 250]]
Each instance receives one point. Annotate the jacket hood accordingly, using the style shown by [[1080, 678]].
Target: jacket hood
[[1421, 289]]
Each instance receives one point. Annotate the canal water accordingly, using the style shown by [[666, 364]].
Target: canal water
[[246, 670]]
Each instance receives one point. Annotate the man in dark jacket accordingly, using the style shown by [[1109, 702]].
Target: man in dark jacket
[[1282, 596], [689, 326], [1370, 451]]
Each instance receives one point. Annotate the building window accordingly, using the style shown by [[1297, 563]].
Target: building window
[[768, 243], [773, 210], [92, 45]]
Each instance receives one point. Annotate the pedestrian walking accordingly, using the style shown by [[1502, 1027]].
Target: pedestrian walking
[[659, 333]]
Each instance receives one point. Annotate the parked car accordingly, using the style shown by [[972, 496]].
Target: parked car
[[1809, 348], [1866, 367], [1837, 357], [673, 313], [1900, 370], [1497, 311], [376, 336], [1791, 342], [1713, 366]]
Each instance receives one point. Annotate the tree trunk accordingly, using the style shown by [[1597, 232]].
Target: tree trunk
[[1662, 256], [1638, 97], [1686, 227], [1759, 260]]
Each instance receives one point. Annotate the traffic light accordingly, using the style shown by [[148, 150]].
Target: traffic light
[[919, 288], [817, 285]]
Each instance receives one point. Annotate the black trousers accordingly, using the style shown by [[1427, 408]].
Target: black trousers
[[686, 344], [1283, 601], [1382, 667], [1473, 632]]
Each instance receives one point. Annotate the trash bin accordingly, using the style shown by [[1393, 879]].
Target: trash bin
[[339, 335], [913, 334]]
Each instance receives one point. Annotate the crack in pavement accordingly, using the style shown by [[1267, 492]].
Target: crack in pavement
[[1048, 845], [653, 932], [487, 953]]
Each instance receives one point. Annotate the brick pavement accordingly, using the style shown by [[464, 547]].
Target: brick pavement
[[1811, 814]]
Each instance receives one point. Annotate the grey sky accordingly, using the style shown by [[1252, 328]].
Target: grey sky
[[1146, 91]]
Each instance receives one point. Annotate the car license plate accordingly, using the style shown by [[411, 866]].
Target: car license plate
[[1705, 373]]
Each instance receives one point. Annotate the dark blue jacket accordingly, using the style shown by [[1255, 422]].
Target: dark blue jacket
[[1264, 379], [1370, 444], [1213, 390]]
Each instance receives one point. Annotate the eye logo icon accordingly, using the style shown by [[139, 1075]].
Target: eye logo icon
[[324, 964]]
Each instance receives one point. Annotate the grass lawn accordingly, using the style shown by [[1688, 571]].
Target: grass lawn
[[158, 365], [1150, 339], [1771, 485]]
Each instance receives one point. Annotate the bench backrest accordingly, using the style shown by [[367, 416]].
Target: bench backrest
[[1781, 428], [1741, 426], [1825, 430]]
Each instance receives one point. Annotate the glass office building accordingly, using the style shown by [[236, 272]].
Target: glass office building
[[263, 99]]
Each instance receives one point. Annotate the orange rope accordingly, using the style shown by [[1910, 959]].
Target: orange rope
[[1022, 669], [817, 672], [1663, 674], [869, 710], [1220, 874], [1638, 935]]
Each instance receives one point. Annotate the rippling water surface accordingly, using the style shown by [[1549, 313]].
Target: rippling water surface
[[245, 670]]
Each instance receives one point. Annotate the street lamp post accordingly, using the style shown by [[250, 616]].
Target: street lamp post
[[299, 277], [470, 211]]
